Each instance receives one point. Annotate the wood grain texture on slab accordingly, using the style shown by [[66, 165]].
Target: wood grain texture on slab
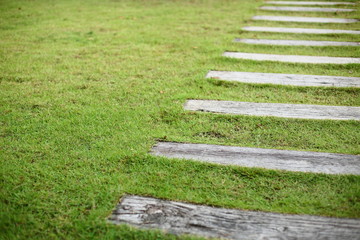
[[309, 3], [304, 111], [291, 58], [286, 79], [305, 9], [304, 19], [205, 221], [295, 42], [297, 161], [299, 30]]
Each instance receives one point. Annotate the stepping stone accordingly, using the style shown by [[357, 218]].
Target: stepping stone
[[297, 161], [296, 42], [305, 9], [304, 111], [291, 58], [286, 79], [300, 30], [304, 19], [308, 3], [185, 218]]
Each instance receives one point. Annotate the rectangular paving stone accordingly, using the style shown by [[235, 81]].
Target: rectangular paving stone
[[304, 19], [296, 42], [305, 9], [297, 161], [308, 3], [304, 111], [300, 30], [286, 79], [185, 218], [291, 58]]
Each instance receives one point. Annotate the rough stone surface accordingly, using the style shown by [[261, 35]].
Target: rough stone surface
[[298, 161], [304, 19], [291, 58], [300, 30], [304, 111], [296, 42], [309, 3], [305, 9], [286, 79], [183, 218]]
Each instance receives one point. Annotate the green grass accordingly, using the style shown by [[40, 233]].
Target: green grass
[[87, 87]]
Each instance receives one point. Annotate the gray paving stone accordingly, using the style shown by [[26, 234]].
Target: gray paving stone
[[309, 3], [184, 218], [304, 19], [305, 9], [297, 161], [300, 30], [304, 111], [296, 42], [286, 79], [291, 58]]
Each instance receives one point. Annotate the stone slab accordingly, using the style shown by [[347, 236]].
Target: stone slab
[[300, 30], [295, 42], [286, 79], [304, 111], [184, 218], [305, 9], [304, 19], [297, 161], [291, 58], [309, 3]]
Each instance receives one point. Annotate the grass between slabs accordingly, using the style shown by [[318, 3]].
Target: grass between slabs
[[87, 88]]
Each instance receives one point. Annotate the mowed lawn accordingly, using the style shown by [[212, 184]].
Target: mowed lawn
[[88, 87]]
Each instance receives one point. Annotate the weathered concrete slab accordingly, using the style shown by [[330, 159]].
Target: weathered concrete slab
[[297, 161], [304, 111], [309, 3], [291, 58], [300, 30], [304, 19], [296, 42], [305, 9], [184, 218], [286, 79]]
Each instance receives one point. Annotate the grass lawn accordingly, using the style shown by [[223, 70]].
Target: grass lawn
[[87, 87]]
